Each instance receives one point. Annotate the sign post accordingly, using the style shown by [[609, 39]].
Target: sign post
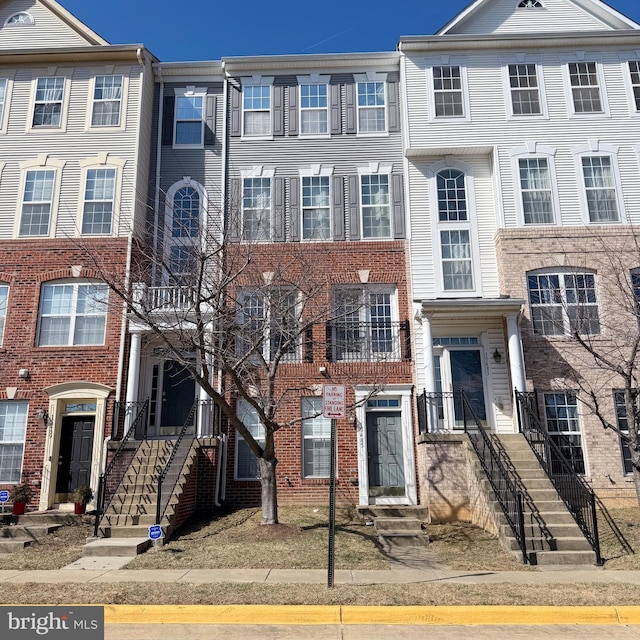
[[333, 407], [4, 498], [155, 534]]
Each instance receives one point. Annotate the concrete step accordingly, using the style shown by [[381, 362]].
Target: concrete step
[[131, 509], [383, 525], [394, 539], [45, 517], [551, 544], [126, 531], [116, 547], [395, 511], [563, 558], [13, 545], [35, 531], [541, 530]]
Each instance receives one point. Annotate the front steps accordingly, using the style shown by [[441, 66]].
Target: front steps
[[398, 527], [552, 535], [18, 532]]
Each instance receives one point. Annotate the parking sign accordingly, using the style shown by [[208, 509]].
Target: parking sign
[[333, 401]]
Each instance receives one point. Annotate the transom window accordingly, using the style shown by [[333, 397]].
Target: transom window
[[600, 188], [376, 210], [99, 194], [371, 107], [563, 426], [21, 18], [73, 314], [3, 98], [189, 114], [316, 212], [585, 87], [525, 94], [37, 202], [634, 72], [4, 294], [452, 197], [316, 439], [256, 101], [256, 209], [313, 109], [447, 92], [47, 110], [563, 303], [247, 466], [457, 263], [107, 99], [535, 188], [13, 430]]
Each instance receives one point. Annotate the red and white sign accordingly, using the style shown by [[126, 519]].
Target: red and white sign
[[333, 401]]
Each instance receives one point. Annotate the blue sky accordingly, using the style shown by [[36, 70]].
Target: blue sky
[[210, 29]]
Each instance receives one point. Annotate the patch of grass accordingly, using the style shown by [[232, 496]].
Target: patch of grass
[[619, 531]]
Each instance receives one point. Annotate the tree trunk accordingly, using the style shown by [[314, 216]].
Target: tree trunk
[[269, 490]]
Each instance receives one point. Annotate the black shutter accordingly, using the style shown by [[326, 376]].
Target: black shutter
[[168, 113], [394, 106], [234, 209]]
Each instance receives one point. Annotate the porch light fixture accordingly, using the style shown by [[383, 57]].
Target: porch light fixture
[[497, 357], [42, 414]]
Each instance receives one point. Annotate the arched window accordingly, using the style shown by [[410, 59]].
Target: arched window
[[20, 18], [452, 197], [186, 213], [530, 4]]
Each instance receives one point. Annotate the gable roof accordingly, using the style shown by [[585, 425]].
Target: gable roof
[[601, 13]]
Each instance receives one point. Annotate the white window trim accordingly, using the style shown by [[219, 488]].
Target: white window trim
[[64, 109], [3, 317], [43, 162], [4, 114], [470, 225], [304, 438], [257, 81], [634, 111], [597, 148], [314, 78], [535, 150], [20, 24], [24, 441], [577, 59], [529, 60], [256, 172], [123, 103], [188, 92], [102, 161], [445, 61], [238, 439], [315, 171], [371, 76], [373, 169]]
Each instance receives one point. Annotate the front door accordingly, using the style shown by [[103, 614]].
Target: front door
[[178, 395], [74, 459], [385, 457]]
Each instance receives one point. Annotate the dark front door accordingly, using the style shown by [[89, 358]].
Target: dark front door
[[178, 394], [384, 446], [466, 375], [74, 458]]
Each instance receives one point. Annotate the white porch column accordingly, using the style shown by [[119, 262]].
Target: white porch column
[[427, 350], [133, 376], [516, 357]]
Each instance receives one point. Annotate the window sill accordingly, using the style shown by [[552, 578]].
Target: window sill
[[244, 138], [314, 136], [372, 134]]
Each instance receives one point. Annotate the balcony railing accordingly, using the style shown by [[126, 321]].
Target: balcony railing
[[163, 299], [381, 341]]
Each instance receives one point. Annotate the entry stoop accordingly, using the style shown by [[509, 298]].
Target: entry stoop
[[116, 547], [398, 527]]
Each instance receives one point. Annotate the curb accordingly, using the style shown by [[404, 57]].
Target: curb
[[360, 615]]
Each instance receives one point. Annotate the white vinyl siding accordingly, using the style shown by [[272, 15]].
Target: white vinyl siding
[[316, 440], [107, 101], [247, 466], [13, 430]]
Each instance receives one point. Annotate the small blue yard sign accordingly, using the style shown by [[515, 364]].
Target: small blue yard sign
[[155, 532], [4, 496]]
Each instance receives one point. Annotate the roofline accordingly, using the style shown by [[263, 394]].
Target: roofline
[[75, 54], [189, 69]]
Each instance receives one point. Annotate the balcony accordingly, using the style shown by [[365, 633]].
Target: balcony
[[163, 299], [380, 341]]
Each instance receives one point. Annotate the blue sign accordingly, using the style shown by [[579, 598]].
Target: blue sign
[[155, 532], [4, 496]]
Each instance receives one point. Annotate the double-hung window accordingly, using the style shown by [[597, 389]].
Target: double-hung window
[[4, 294], [247, 466], [73, 314], [107, 101], [536, 190], [99, 194], [3, 98], [314, 109], [563, 303], [37, 202], [189, 116], [563, 427], [316, 439], [316, 211], [47, 111], [524, 89], [256, 105], [447, 92], [634, 73], [376, 209], [600, 188], [256, 209], [585, 87], [13, 430], [371, 107], [623, 425]]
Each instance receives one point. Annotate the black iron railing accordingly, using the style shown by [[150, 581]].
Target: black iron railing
[[380, 341], [138, 412], [431, 410], [507, 494], [571, 487]]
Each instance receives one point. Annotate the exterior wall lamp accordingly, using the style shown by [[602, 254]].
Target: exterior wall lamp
[[497, 357], [42, 414]]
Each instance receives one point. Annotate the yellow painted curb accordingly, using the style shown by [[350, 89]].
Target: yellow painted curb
[[629, 615]]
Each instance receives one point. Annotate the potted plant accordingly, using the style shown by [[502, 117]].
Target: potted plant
[[21, 495], [81, 496]]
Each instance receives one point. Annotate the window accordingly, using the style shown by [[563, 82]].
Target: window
[[447, 92], [97, 215], [452, 198], [37, 202], [256, 101], [185, 221], [189, 114], [563, 427], [3, 98], [535, 189], [635, 284], [525, 94], [313, 109], [4, 294], [563, 303], [371, 107], [316, 212], [73, 314], [457, 264], [623, 425], [247, 466], [107, 98], [634, 72], [530, 4], [47, 111], [316, 440], [600, 188], [376, 212], [585, 88], [364, 325], [13, 429], [256, 209], [20, 18]]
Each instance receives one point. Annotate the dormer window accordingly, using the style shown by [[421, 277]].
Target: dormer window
[[530, 4], [20, 18]]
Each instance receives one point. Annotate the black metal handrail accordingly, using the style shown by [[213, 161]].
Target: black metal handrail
[[509, 497], [381, 340], [135, 427], [431, 410], [571, 487]]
